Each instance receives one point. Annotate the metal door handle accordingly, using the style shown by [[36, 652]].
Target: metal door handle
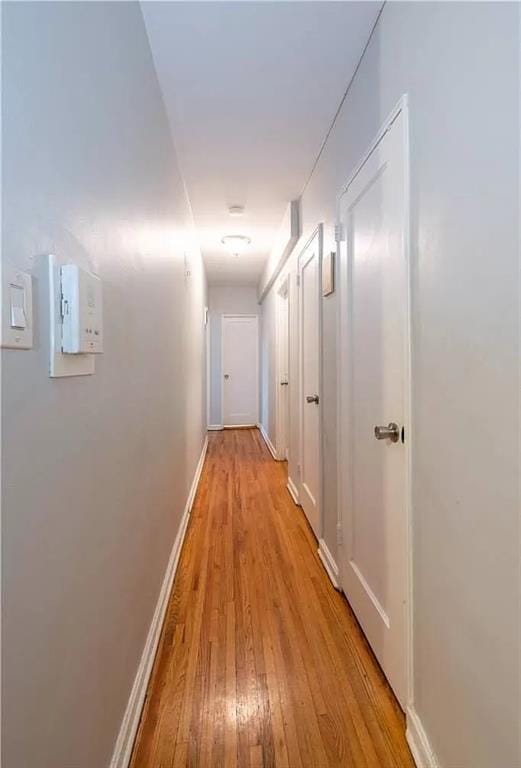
[[284, 383], [226, 375], [390, 432], [312, 399]]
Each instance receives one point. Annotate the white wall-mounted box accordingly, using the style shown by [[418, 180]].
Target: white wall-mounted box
[[17, 308], [81, 310], [62, 363]]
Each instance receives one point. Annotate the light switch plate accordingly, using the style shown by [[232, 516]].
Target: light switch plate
[[61, 364], [17, 308]]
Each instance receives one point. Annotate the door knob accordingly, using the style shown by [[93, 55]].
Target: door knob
[[312, 399], [226, 375], [284, 383], [390, 432]]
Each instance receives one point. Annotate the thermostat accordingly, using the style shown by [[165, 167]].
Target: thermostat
[[81, 311]]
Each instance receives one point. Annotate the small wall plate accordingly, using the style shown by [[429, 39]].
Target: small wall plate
[[16, 279]]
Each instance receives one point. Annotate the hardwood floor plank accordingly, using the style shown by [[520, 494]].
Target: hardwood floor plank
[[230, 733], [261, 662]]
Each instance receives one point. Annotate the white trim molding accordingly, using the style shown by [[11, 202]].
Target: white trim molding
[[329, 564], [197, 477], [268, 442], [293, 491], [130, 723], [420, 747], [214, 427], [286, 239], [208, 361]]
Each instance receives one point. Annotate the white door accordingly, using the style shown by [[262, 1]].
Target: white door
[[240, 357], [374, 394], [283, 372], [309, 332]]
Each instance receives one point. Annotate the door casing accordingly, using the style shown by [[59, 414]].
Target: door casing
[[344, 374]]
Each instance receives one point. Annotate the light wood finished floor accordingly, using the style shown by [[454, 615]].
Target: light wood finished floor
[[261, 662]]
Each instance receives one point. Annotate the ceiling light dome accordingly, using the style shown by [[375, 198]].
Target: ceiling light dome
[[236, 243]]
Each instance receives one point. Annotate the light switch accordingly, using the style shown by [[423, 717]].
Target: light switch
[[17, 308], [17, 300]]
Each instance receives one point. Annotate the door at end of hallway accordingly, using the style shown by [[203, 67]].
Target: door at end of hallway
[[240, 370]]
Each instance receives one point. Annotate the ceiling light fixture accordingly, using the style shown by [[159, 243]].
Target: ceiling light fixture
[[236, 244], [236, 210]]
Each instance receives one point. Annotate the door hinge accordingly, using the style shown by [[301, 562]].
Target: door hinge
[[339, 534], [298, 281], [339, 233]]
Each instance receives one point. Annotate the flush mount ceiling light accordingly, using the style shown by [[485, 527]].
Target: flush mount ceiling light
[[236, 210], [236, 244]]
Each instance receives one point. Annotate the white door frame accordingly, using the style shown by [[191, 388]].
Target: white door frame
[[208, 370], [283, 299], [318, 234], [256, 318], [344, 375]]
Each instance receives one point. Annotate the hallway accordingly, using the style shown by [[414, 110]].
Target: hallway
[[261, 661], [260, 340]]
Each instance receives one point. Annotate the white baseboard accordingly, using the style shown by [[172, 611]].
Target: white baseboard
[[329, 563], [268, 442], [129, 726], [292, 488], [422, 751], [214, 427], [197, 477]]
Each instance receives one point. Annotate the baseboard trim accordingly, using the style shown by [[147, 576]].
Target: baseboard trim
[[268, 442], [197, 477], [293, 492], [329, 564], [130, 724], [422, 751], [214, 427]]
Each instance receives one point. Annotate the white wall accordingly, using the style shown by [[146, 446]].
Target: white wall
[[96, 470], [223, 300], [459, 63]]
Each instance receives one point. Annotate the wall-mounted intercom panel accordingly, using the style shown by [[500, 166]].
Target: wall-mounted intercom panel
[[81, 311], [76, 318]]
